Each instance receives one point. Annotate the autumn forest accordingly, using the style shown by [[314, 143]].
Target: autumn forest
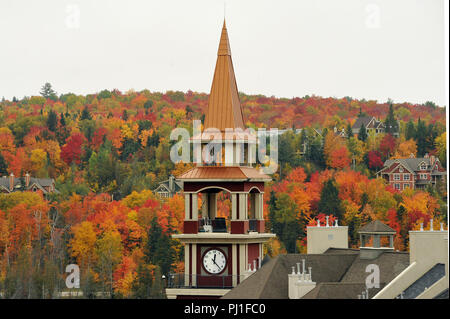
[[109, 150]]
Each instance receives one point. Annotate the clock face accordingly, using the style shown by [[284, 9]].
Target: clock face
[[214, 261]]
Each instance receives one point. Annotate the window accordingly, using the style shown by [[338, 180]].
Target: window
[[401, 170], [423, 166], [405, 186], [423, 176], [396, 177], [397, 186], [406, 177]]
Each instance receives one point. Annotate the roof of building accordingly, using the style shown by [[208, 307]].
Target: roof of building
[[40, 183], [338, 290], [223, 173], [224, 107], [376, 227], [426, 280], [338, 273], [413, 163], [177, 187]]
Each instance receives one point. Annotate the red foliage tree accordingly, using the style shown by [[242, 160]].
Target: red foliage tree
[[72, 151], [387, 145], [375, 161]]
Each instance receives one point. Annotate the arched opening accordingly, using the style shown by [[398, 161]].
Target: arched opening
[[214, 210]]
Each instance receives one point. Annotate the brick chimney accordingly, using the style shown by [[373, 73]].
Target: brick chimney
[[11, 182], [27, 180], [432, 161], [171, 183]]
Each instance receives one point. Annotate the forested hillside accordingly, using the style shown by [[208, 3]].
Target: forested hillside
[[107, 151]]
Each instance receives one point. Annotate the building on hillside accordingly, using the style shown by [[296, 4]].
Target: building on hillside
[[10, 184], [168, 188], [412, 172], [340, 133], [370, 123], [331, 270], [220, 250]]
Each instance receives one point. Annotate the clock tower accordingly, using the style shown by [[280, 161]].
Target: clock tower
[[220, 251]]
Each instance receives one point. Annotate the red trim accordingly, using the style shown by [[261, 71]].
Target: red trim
[[190, 227], [260, 226], [253, 253], [239, 226]]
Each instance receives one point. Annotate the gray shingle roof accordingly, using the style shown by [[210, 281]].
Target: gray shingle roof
[[39, 182], [376, 227], [338, 273], [271, 281], [347, 290], [411, 163]]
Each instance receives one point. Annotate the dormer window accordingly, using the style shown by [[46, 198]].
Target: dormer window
[[423, 166]]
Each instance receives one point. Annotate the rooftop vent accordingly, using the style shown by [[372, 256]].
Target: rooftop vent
[[300, 282]]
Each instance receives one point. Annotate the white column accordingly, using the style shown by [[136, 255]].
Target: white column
[[229, 154], [186, 264], [234, 265], [194, 206], [233, 207], [238, 153], [186, 206], [259, 206], [194, 264], [251, 153], [243, 258], [243, 212]]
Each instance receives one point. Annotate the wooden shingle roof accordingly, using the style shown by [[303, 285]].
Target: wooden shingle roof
[[376, 227]]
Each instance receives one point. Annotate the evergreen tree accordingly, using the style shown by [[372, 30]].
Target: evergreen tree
[[3, 166], [148, 105], [390, 122], [62, 120], [157, 291], [330, 203], [410, 130], [362, 135], [286, 224], [158, 250], [86, 115], [48, 92], [52, 121], [421, 138], [349, 131], [142, 285]]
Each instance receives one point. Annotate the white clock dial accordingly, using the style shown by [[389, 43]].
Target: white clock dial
[[214, 261]]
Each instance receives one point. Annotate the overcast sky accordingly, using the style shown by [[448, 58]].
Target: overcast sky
[[374, 49]]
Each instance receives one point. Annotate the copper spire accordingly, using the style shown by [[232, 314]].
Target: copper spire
[[224, 108]]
